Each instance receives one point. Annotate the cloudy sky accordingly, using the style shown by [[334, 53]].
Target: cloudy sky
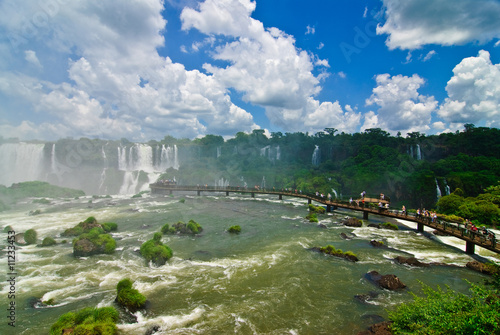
[[143, 69]]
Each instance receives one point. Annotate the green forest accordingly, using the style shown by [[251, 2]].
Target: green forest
[[415, 171]]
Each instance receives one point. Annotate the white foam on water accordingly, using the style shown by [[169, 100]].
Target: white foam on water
[[165, 322]]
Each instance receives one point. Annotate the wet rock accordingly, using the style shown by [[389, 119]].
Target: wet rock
[[152, 330], [412, 261], [322, 225], [352, 222], [344, 236], [388, 282], [378, 244], [381, 328], [480, 267], [374, 225], [365, 298]]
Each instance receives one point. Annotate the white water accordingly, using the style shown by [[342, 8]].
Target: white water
[[316, 156], [21, 162]]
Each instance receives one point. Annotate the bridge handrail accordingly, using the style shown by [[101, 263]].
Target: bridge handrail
[[467, 234]]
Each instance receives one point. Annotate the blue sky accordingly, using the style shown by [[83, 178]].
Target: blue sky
[[149, 68]]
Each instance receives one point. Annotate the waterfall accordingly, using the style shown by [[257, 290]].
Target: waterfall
[[419, 153], [219, 151], [263, 183], [335, 192], [438, 190], [316, 157], [278, 153], [446, 188], [265, 151], [21, 162], [221, 183]]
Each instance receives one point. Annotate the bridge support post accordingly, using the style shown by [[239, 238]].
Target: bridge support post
[[365, 215], [253, 194], [469, 248], [170, 192], [281, 197], [420, 227], [328, 208], [308, 201], [198, 192], [227, 193]]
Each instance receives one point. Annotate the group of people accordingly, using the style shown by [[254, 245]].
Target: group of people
[[426, 215]]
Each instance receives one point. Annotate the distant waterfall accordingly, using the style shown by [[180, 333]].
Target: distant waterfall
[[415, 153], [219, 152], [446, 188], [143, 157], [21, 162], [271, 153], [316, 157], [419, 153], [438, 190]]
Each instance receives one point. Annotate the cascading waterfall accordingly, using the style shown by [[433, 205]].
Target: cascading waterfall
[[316, 157], [419, 153], [139, 157], [446, 188], [219, 152], [438, 190], [263, 183], [21, 162], [278, 153], [335, 193]]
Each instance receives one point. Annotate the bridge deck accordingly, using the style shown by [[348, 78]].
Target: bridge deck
[[471, 238]]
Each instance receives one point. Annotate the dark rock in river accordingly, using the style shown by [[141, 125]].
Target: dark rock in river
[[411, 261], [374, 225], [378, 244], [381, 328], [352, 222], [344, 236], [365, 298], [480, 267], [389, 282], [153, 330], [322, 225]]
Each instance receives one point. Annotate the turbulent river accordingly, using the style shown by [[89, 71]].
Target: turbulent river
[[262, 281]]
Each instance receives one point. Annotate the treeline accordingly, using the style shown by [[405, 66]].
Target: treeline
[[412, 170]]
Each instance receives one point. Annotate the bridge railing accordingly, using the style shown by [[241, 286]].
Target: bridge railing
[[488, 240]]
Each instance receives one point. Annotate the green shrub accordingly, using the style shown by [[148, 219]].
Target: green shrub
[[30, 236], [88, 321], [330, 250], [182, 200], [99, 243], [389, 225], [448, 312], [312, 217], [316, 209], [109, 226], [48, 241], [234, 229], [155, 251], [180, 227], [194, 227], [124, 283], [129, 297], [165, 229]]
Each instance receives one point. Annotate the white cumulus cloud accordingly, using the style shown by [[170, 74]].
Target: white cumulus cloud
[[412, 24], [473, 92], [401, 106]]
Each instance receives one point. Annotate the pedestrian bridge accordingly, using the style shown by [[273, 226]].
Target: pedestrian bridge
[[369, 206]]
